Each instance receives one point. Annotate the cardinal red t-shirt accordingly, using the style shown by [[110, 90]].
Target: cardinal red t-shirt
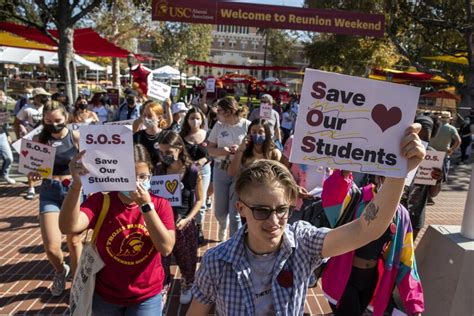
[[133, 270]]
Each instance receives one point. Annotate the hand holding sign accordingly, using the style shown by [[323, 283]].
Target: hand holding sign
[[109, 158]]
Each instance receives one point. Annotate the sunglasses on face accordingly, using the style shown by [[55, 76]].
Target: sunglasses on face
[[261, 212]]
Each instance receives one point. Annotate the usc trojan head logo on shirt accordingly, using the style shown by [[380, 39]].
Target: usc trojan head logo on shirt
[[130, 245]]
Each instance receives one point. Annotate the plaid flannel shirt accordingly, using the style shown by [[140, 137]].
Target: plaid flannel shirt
[[224, 275]]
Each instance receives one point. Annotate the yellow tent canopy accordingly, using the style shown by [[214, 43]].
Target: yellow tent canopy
[[459, 58], [9, 39]]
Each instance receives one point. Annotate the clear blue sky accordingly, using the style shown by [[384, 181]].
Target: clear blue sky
[[292, 3]]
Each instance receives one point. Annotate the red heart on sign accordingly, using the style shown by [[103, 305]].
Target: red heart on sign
[[24, 153], [386, 118]]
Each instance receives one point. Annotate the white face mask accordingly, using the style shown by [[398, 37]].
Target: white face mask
[[195, 123]]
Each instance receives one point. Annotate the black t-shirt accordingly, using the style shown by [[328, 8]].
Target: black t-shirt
[[150, 142], [196, 152]]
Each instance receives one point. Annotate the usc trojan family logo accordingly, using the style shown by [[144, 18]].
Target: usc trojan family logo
[[130, 245], [162, 10]]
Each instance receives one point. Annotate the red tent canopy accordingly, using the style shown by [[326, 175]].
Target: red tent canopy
[[412, 76], [86, 41]]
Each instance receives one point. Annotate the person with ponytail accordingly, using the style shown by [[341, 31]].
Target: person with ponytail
[[224, 141], [52, 192], [154, 122]]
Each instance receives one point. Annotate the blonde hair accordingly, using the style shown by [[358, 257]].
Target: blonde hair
[[156, 108], [266, 172]]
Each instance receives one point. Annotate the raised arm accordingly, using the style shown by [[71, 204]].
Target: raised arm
[[380, 211]]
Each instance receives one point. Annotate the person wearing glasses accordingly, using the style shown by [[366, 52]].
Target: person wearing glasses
[[174, 159], [138, 228], [265, 268]]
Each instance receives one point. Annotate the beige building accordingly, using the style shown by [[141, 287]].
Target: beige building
[[239, 45]]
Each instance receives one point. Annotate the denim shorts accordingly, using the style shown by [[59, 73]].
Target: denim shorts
[[52, 194], [150, 307]]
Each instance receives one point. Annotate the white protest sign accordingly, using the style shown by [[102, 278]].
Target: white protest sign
[[211, 85], [411, 174], [76, 126], [109, 158], [167, 186], [124, 122], [36, 157], [17, 144], [4, 117], [159, 90], [353, 123], [433, 159], [266, 111]]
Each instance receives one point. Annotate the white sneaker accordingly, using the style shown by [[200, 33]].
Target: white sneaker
[[222, 233], [186, 296], [9, 180], [59, 281], [30, 195]]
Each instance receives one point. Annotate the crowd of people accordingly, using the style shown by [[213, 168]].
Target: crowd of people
[[235, 161]]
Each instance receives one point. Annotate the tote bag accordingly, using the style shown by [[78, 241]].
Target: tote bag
[[90, 263]]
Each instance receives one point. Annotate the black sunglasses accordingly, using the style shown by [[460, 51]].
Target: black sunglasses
[[262, 213]]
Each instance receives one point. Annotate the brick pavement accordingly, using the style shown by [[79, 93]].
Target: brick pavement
[[25, 273]]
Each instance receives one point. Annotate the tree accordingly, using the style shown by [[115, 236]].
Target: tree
[[121, 22], [63, 15], [279, 45], [352, 55], [180, 41], [438, 27]]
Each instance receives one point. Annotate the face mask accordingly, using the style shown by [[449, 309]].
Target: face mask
[[28, 96], [168, 159], [182, 115], [258, 139], [147, 185], [149, 122], [195, 123], [82, 106], [131, 101], [44, 100], [54, 128]]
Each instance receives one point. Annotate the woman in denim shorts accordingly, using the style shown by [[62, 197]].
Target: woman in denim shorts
[[53, 191]]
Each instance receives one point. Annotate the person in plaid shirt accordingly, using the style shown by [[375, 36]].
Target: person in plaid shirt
[[265, 268]]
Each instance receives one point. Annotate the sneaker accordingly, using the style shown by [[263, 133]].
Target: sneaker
[[430, 201], [186, 296], [30, 195], [209, 202], [9, 180], [221, 235], [59, 281]]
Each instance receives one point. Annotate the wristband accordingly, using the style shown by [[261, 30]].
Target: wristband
[[146, 208]]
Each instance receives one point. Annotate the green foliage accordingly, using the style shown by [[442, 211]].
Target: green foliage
[[349, 54], [181, 41]]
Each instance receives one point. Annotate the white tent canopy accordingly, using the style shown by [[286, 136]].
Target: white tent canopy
[[166, 71], [24, 56]]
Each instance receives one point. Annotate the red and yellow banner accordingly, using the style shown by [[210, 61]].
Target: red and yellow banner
[[268, 16]]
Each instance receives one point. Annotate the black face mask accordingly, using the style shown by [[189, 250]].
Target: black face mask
[[54, 128], [82, 106], [131, 101]]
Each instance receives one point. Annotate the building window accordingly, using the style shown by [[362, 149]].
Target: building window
[[255, 45], [232, 43], [243, 44]]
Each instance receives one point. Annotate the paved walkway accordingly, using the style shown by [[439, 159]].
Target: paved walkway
[[25, 275]]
